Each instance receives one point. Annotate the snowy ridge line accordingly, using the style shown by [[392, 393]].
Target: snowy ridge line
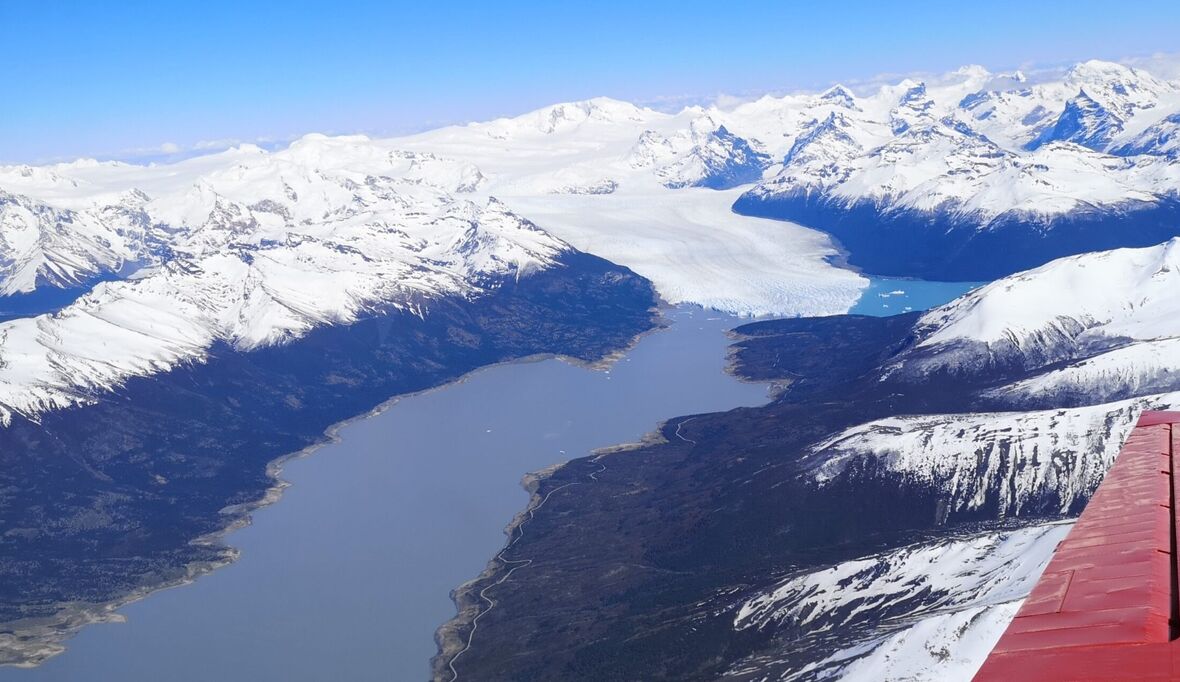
[[255, 248], [1118, 294], [812, 597], [979, 146], [633, 185], [250, 283], [1094, 333], [1010, 459], [1094, 327], [1105, 606], [946, 601], [1076, 332]]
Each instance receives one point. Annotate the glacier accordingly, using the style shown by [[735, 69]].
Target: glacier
[[968, 175], [884, 514]]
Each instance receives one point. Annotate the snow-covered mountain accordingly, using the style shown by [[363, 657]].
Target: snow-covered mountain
[[1058, 361], [243, 287], [251, 248], [971, 167], [254, 247], [260, 252], [706, 155], [646, 177], [971, 150], [882, 518], [1107, 98], [1103, 321], [999, 460], [45, 246], [927, 611], [1160, 139], [882, 522], [977, 175]]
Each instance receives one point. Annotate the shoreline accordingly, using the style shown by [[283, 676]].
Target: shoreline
[[46, 636], [453, 637]]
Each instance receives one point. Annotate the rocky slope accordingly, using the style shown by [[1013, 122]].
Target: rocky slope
[[128, 491], [889, 510], [432, 254], [280, 293]]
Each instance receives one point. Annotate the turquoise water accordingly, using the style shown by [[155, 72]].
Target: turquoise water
[[892, 296], [348, 575]]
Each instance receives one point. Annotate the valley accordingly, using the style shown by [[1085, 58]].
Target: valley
[[422, 490], [974, 276], [916, 438], [109, 501]]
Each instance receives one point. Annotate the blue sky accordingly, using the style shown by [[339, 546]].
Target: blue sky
[[108, 79]]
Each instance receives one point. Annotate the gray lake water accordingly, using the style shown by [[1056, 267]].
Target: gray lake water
[[348, 575]]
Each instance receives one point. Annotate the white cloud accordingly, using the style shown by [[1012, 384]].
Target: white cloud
[[1161, 64]]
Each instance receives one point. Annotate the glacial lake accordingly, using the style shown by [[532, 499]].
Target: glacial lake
[[893, 296], [349, 574]]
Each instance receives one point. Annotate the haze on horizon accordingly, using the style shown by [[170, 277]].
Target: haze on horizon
[[103, 81]]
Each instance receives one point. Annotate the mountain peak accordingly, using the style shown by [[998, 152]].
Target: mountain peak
[[1119, 88], [1084, 121], [1091, 289], [1097, 70], [838, 94], [570, 115]]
